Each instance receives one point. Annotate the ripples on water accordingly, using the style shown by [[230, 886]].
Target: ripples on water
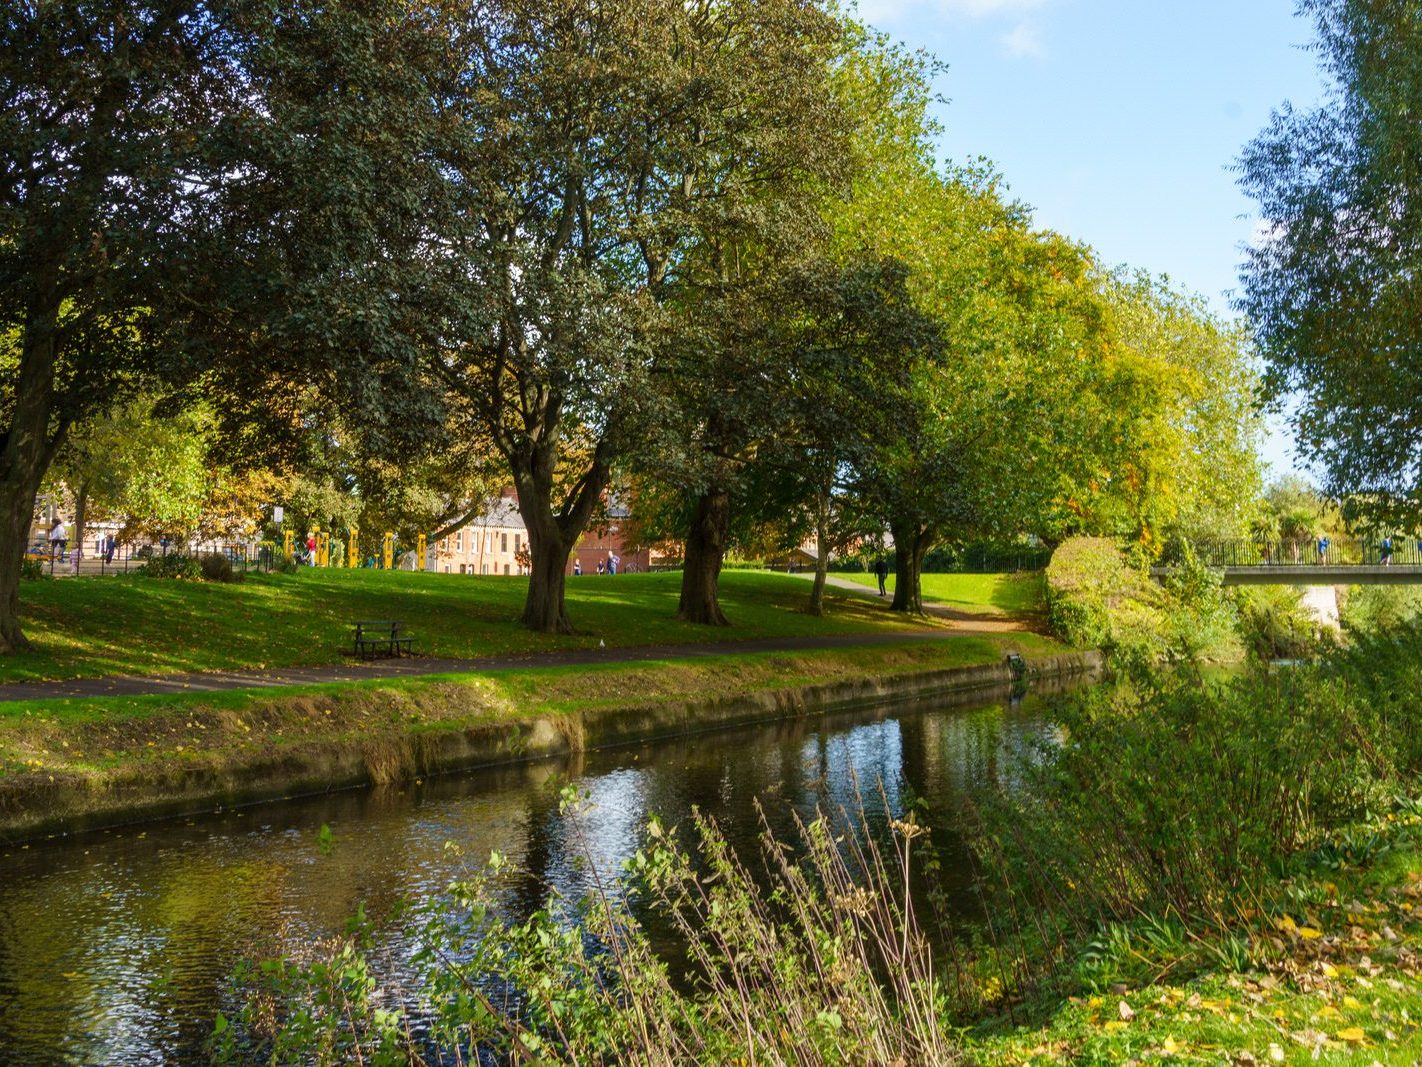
[[115, 946]]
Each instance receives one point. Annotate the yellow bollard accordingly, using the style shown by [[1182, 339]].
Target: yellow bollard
[[420, 552], [389, 550], [352, 559], [286, 537], [325, 549]]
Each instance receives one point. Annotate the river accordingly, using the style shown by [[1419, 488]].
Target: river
[[116, 946]]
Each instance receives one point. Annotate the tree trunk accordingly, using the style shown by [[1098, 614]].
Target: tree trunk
[[16, 511], [911, 545], [705, 548], [552, 534], [543, 608], [27, 447], [817, 590]]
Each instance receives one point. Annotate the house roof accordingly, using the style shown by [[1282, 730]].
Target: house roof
[[501, 513]]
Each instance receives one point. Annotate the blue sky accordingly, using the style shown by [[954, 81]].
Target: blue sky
[[1119, 120]]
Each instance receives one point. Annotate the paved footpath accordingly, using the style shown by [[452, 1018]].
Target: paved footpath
[[416, 666]]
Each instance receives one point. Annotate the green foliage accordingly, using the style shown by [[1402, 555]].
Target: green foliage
[[1097, 599], [216, 567], [173, 565], [1202, 619], [850, 981], [32, 570], [1378, 609], [1334, 285], [1209, 790], [1275, 623]]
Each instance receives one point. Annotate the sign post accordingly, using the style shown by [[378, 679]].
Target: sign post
[[389, 550], [420, 552], [352, 552]]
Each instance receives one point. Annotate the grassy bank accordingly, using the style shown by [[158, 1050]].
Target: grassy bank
[[1335, 976], [92, 627], [990, 595], [63, 761]]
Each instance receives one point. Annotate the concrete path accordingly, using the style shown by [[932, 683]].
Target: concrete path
[[416, 666]]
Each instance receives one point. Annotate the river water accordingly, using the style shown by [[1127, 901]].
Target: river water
[[115, 947]]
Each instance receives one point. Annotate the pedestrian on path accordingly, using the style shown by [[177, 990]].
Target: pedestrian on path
[[881, 570], [1385, 554], [59, 540]]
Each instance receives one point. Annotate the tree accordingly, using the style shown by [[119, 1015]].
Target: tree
[[598, 145], [199, 192], [1333, 284], [154, 471]]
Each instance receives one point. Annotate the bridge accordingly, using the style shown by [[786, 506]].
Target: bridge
[[1346, 561]]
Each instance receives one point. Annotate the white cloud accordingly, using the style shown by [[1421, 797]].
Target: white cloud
[[1024, 41]]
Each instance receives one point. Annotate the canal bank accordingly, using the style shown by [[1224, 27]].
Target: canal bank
[[242, 748]]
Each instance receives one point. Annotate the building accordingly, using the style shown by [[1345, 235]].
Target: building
[[492, 543], [496, 542], [610, 539]]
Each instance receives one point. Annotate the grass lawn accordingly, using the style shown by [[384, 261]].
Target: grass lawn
[[88, 627], [1021, 593], [1338, 981]]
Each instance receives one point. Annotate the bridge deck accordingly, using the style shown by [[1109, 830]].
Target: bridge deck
[[1317, 574]]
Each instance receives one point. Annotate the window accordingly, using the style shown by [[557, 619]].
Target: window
[[504, 546], [459, 543], [461, 568], [488, 542], [517, 538], [506, 568]]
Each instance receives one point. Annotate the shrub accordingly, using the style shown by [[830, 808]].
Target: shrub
[[173, 565], [1275, 624], [821, 960], [1096, 599], [32, 570], [216, 567], [1378, 608], [1178, 797]]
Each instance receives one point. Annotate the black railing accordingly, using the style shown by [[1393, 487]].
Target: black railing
[[1299, 552], [94, 556]]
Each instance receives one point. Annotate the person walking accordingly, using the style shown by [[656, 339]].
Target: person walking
[[1323, 550], [110, 546], [881, 571], [59, 540], [577, 568], [1385, 552]]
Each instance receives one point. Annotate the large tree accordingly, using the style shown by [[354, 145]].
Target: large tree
[[601, 144], [1333, 283], [201, 191]]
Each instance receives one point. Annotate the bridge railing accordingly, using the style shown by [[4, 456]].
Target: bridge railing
[[1293, 552]]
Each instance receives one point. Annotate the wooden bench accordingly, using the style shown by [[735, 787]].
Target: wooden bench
[[381, 637]]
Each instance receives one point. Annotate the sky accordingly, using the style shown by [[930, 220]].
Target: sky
[[1119, 120]]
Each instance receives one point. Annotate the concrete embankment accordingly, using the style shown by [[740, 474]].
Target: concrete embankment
[[36, 805]]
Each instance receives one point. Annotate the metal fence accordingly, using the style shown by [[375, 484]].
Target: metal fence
[[94, 557], [1338, 552]]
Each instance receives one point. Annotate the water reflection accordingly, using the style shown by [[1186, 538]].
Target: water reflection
[[115, 947]]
